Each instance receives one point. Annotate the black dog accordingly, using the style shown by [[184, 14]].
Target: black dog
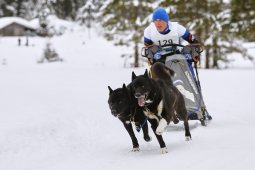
[[161, 72], [159, 98], [124, 106]]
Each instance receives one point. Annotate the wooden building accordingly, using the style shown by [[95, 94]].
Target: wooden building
[[14, 26]]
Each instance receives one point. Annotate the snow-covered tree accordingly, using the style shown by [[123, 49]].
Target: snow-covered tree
[[27, 9], [19, 8], [12, 7], [207, 20], [31, 9], [125, 21], [66, 9], [211, 21], [44, 10], [86, 14], [1, 10], [243, 19]]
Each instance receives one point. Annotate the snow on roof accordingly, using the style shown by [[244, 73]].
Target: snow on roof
[[5, 21], [55, 22]]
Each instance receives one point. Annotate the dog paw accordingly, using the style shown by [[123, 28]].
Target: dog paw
[[187, 138], [161, 127], [135, 150], [159, 131], [164, 150], [147, 139]]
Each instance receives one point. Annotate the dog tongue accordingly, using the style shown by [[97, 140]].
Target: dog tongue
[[141, 101]]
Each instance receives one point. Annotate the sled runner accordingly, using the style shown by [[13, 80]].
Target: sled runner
[[180, 59]]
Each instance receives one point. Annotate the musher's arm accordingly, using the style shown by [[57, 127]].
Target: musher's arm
[[148, 42], [190, 38], [187, 36]]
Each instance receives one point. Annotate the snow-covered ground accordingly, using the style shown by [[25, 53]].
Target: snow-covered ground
[[55, 116]]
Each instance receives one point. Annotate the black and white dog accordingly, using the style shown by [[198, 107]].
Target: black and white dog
[[159, 98], [124, 106]]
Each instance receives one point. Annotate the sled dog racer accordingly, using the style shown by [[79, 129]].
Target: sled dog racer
[[162, 32]]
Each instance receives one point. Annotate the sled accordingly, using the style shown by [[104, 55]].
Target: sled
[[180, 59]]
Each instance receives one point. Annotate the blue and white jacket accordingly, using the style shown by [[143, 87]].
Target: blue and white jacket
[[171, 34]]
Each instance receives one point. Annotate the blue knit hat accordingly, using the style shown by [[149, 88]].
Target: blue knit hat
[[160, 13]]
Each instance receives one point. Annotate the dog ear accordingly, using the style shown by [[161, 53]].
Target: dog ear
[[110, 89], [146, 73], [133, 76], [124, 86]]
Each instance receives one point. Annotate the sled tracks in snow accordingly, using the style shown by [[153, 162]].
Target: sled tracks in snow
[[180, 126]]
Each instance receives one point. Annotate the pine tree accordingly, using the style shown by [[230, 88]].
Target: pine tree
[[27, 9], [44, 10], [86, 14], [1, 8], [66, 9], [125, 21], [17, 7], [30, 9], [207, 21], [9, 8], [243, 19]]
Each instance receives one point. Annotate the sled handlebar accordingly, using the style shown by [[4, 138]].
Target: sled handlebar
[[193, 49], [156, 48]]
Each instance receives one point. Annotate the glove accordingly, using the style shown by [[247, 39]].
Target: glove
[[198, 48], [196, 58], [157, 56]]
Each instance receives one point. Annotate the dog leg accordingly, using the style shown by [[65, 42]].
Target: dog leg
[[182, 114], [187, 132], [154, 125], [132, 136], [187, 138], [146, 136], [161, 127], [164, 150], [135, 150], [147, 139]]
